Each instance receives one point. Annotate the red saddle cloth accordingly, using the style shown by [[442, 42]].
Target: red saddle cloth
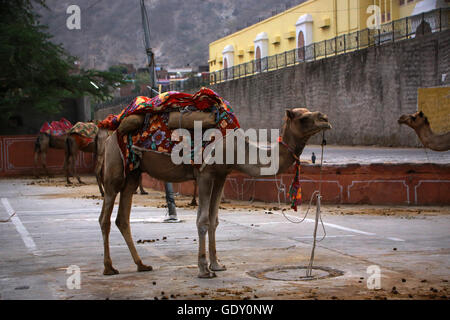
[[56, 128]]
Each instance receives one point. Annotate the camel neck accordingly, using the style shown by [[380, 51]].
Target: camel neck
[[290, 153], [424, 133]]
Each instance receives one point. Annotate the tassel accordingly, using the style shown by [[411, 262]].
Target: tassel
[[295, 191]]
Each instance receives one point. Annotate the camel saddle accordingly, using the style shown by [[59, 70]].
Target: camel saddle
[[177, 119]]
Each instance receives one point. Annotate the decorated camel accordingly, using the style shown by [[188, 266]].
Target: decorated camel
[[51, 135], [300, 124], [419, 122]]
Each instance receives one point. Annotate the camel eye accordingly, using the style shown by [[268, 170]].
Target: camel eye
[[413, 118]]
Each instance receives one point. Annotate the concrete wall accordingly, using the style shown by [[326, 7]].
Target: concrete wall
[[363, 92]]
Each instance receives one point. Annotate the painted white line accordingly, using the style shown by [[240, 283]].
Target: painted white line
[[336, 226], [395, 239], [319, 236], [26, 237], [332, 225]]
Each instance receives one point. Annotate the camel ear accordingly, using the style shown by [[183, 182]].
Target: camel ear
[[290, 114], [421, 114]]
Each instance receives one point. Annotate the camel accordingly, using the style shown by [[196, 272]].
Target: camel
[[419, 122], [300, 124], [43, 143]]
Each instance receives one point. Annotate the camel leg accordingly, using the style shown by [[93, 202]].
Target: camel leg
[[74, 167], [194, 196], [205, 188], [123, 218], [44, 163], [99, 175], [141, 187], [68, 165], [36, 160], [216, 196], [105, 224]]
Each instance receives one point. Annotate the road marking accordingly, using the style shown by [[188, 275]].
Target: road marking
[[395, 239], [336, 236], [26, 237], [332, 225]]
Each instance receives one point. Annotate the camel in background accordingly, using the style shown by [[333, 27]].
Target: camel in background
[[42, 144], [299, 126], [419, 122]]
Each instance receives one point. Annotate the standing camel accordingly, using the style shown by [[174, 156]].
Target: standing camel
[[299, 126], [81, 137], [42, 144], [51, 135], [419, 122]]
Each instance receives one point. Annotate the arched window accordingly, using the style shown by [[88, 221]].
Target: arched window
[[261, 51], [258, 59], [301, 46], [304, 32]]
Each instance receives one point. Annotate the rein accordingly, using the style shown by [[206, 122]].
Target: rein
[[295, 191]]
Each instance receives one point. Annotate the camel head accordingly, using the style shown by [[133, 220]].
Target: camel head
[[303, 123], [415, 120]]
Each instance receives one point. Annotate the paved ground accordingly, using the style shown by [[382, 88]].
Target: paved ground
[[52, 230], [367, 155]]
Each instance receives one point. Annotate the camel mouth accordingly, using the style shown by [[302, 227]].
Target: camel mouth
[[403, 119], [325, 126]]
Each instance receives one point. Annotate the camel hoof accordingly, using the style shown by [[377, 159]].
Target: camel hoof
[[144, 192], [81, 182], [110, 271], [217, 267], [206, 275], [143, 268]]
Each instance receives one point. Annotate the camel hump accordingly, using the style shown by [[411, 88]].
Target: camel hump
[[131, 123]]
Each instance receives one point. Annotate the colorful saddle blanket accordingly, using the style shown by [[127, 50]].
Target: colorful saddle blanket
[[155, 134], [56, 128], [84, 132]]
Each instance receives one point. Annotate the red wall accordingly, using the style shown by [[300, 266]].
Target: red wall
[[17, 157], [382, 184]]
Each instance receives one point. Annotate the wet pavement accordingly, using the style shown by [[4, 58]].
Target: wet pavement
[[265, 254]]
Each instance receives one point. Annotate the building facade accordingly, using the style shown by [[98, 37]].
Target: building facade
[[309, 22]]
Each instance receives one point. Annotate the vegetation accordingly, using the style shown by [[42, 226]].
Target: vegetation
[[36, 72]]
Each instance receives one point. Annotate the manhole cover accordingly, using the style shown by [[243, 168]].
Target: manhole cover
[[295, 273]]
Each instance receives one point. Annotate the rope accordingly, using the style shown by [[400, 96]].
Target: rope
[[9, 219], [318, 195]]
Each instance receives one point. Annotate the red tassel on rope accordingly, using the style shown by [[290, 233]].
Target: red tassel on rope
[[295, 191]]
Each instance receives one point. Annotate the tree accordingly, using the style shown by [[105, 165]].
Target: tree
[[36, 72]]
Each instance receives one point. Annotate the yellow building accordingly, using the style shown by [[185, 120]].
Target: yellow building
[[309, 22]]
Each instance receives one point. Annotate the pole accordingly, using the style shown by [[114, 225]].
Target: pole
[[148, 49], [153, 90]]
